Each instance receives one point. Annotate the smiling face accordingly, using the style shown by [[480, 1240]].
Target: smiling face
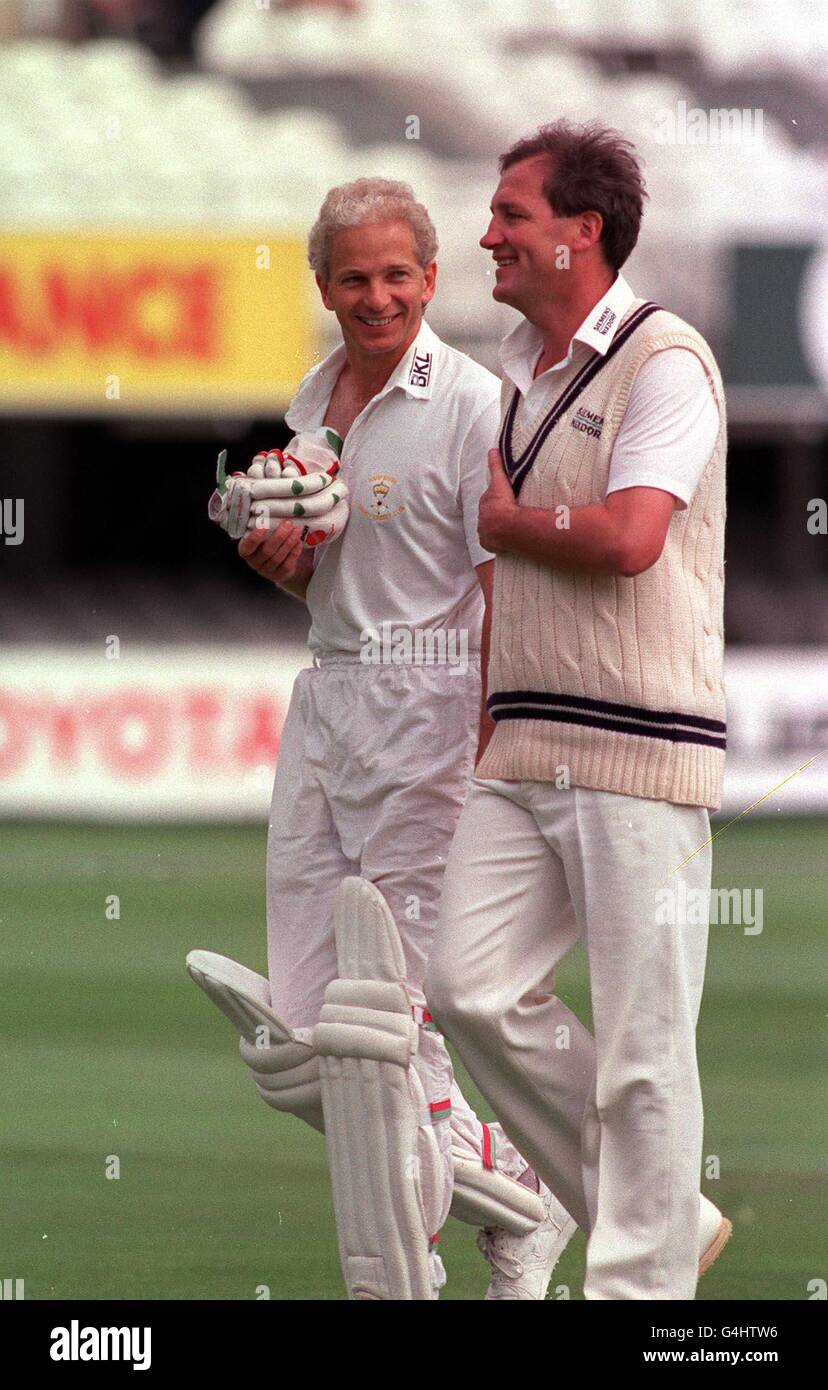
[[526, 238], [377, 288]]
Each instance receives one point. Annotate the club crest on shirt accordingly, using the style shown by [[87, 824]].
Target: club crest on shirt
[[381, 505], [588, 422]]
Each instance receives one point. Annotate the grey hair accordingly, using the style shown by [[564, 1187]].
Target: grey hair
[[369, 200]]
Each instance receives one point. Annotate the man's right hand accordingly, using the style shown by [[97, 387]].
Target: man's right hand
[[280, 556]]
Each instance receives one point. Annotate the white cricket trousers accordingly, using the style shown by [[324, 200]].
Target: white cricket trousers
[[373, 769], [613, 1124]]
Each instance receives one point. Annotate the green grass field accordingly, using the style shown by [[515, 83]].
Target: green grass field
[[110, 1050]]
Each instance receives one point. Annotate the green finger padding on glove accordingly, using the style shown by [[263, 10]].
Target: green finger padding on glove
[[270, 490]]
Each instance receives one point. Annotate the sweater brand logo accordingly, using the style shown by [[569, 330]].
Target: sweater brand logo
[[588, 423], [380, 509], [420, 373], [605, 322]]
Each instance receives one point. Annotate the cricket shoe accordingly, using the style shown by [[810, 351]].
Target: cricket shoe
[[521, 1266], [714, 1232]]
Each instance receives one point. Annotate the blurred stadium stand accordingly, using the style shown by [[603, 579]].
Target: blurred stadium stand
[[236, 117]]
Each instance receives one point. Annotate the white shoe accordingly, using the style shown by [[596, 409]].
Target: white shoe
[[714, 1232], [522, 1266]]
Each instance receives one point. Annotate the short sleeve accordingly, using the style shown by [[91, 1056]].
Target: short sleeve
[[474, 475], [669, 429]]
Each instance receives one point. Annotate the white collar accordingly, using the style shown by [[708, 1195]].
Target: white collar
[[519, 349], [414, 374]]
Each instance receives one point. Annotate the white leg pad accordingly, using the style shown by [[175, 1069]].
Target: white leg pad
[[484, 1197], [388, 1176], [285, 1067]]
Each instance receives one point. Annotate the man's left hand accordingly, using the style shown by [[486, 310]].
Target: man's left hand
[[498, 506]]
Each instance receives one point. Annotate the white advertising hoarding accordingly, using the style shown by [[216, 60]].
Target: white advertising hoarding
[[168, 732], [193, 732], [777, 730]]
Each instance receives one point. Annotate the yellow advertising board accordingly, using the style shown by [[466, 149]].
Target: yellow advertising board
[[161, 323]]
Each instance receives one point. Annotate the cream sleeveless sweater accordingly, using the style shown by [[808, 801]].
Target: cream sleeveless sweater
[[618, 680]]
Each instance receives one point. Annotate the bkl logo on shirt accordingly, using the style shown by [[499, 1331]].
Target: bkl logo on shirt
[[588, 422], [420, 373]]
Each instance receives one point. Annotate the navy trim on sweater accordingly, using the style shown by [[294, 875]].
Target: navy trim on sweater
[[517, 468], [604, 714]]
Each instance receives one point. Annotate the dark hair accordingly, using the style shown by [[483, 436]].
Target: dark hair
[[592, 169]]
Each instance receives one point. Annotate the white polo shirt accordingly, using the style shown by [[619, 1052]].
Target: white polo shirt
[[415, 461], [671, 421]]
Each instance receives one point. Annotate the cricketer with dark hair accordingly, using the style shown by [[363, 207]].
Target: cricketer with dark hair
[[588, 814]]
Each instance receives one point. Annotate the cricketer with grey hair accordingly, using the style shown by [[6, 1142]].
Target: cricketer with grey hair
[[353, 204], [375, 760]]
